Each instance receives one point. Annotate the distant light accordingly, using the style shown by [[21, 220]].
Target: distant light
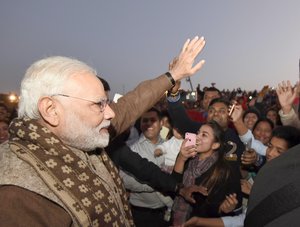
[[13, 98], [250, 97]]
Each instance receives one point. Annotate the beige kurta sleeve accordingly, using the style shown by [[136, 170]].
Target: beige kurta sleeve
[[291, 118], [130, 107]]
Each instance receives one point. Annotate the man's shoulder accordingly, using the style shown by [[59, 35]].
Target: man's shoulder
[[17, 172]]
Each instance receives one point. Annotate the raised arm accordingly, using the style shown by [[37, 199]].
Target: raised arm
[[286, 96], [145, 95], [185, 153], [237, 119]]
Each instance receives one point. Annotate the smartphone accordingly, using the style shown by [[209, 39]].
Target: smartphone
[[191, 139], [231, 109]]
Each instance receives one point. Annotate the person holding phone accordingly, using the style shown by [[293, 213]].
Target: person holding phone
[[204, 164]]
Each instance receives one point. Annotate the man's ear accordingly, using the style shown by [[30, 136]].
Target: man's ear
[[216, 146], [48, 110]]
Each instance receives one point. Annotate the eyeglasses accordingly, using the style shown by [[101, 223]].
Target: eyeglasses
[[101, 104]]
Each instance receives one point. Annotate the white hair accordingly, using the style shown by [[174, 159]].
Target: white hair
[[47, 77]]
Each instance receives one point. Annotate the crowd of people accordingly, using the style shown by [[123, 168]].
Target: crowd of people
[[155, 157]]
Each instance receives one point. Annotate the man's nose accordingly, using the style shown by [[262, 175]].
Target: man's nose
[[109, 113]]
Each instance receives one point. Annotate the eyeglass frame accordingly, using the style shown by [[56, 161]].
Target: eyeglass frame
[[101, 104]]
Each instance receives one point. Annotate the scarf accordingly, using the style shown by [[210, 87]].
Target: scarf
[[196, 167], [88, 197]]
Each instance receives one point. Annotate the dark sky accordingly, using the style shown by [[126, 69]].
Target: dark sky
[[249, 43]]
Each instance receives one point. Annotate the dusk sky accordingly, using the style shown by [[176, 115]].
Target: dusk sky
[[249, 44]]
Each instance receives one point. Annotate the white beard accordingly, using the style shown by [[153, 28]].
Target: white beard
[[77, 134]]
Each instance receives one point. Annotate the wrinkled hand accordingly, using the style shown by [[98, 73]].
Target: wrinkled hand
[[237, 113], [183, 65], [228, 204], [286, 95], [249, 157], [187, 192], [246, 187]]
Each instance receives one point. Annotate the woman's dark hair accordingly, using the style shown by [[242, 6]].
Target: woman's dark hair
[[218, 133], [288, 133], [221, 169], [278, 120], [263, 120]]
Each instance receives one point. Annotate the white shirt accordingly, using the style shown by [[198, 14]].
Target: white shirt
[[170, 150], [258, 146]]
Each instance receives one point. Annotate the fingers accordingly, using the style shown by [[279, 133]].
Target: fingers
[[185, 45], [188, 192], [184, 66], [249, 155], [231, 200], [237, 113], [229, 203], [187, 151], [284, 86], [202, 190], [246, 186], [198, 46], [197, 67]]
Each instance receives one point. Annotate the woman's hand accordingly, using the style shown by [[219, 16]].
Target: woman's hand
[[246, 187], [187, 152]]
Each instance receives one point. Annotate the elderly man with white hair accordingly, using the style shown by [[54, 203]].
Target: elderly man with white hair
[[50, 172]]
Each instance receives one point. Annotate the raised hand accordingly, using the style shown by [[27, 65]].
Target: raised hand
[[286, 95], [237, 113], [184, 64], [187, 152]]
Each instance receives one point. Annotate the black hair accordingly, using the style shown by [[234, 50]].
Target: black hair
[[213, 89], [278, 120], [220, 169], [264, 119], [289, 133], [153, 109], [218, 133], [105, 83], [219, 100], [252, 110]]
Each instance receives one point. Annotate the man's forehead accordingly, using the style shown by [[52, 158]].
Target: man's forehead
[[86, 83], [218, 105], [211, 93]]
